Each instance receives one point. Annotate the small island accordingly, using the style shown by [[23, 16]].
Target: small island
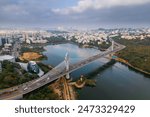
[[82, 82]]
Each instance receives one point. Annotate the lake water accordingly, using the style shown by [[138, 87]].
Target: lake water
[[115, 82]]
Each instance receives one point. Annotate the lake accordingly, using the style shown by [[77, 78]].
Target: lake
[[115, 82]]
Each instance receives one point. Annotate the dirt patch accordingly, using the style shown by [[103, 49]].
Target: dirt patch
[[30, 56]]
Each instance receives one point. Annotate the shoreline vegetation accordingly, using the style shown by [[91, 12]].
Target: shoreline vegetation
[[79, 84], [82, 82], [129, 65], [136, 54]]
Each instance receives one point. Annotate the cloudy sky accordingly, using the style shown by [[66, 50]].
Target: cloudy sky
[[75, 13]]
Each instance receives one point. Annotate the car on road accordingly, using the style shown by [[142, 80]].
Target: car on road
[[25, 88]]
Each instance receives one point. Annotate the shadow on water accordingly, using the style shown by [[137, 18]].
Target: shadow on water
[[101, 69], [136, 71]]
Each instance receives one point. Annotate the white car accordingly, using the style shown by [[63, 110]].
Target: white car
[[25, 88]]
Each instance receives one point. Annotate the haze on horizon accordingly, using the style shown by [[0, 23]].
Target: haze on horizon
[[75, 13]]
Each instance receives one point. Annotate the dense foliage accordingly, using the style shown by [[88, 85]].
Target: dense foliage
[[137, 52], [58, 39], [34, 49], [103, 45], [44, 67], [145, 42], [44, 93], [12, 74]]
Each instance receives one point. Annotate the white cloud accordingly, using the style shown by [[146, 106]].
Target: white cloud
[[84, 5], [14, 9]]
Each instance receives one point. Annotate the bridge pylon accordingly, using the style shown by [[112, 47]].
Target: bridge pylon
[[67, 65], [112, 48]]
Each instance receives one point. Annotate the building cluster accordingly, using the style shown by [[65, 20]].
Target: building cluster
[[27, 36], [9, 44], [100, 35], [87, 37], [129, 34], [33, 38], [84, 37], [6, 43], [133, 37]]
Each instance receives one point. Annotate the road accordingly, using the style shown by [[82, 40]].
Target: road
[[66, 91], [53, 75]]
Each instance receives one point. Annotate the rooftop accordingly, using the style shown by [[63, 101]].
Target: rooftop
[[6, 57]]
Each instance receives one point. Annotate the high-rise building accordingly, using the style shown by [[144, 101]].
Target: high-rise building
[[0, 41], [4, 41]]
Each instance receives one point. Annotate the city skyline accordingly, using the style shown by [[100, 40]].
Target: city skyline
[[74, 13]]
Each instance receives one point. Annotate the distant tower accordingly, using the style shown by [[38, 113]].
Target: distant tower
[[27, 36], [0, 41], [7, 41], [112, 46], [67, 65]]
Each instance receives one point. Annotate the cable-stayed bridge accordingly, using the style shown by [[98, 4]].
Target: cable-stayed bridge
[[63, 69]]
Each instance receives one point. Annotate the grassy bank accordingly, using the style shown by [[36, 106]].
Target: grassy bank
[[136, 53]]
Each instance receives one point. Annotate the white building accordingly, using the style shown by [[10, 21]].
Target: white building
[[7, 57]]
